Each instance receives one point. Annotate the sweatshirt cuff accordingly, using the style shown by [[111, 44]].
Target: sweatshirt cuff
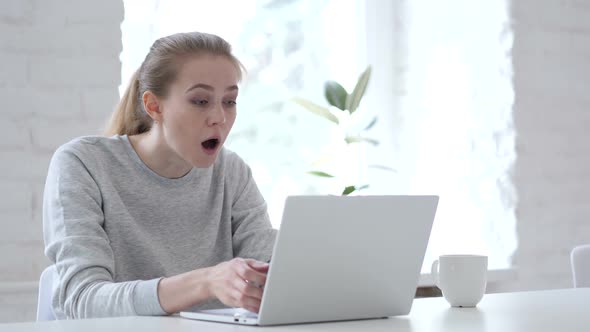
[[145, 298]]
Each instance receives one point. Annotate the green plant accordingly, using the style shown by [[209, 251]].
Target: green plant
[[343, 106]]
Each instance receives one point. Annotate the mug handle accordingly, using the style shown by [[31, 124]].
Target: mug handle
[[434, 272]]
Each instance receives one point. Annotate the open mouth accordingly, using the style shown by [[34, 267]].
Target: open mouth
[[210, 144]]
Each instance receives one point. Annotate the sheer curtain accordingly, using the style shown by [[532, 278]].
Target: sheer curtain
[[450, 126]]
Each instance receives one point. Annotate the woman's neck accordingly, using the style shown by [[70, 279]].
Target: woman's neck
[[158, 156]]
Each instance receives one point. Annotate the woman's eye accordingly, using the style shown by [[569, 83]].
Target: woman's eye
[[231, 102], [200, 102]]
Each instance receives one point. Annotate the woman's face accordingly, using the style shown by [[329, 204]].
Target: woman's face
[[200, 108]]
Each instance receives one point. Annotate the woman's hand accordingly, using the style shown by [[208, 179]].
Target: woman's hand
[[238, 283]]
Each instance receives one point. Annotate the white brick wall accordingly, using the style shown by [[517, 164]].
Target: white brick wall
[[551, 58], [59, 73]]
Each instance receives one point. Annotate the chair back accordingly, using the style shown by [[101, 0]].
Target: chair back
[[46, 285], [580, 258]]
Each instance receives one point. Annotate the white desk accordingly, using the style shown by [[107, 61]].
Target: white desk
[[554, 310]]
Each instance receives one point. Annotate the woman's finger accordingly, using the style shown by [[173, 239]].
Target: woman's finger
[[258, 265], [246, 272]]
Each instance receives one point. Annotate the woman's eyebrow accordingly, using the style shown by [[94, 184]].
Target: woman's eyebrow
[[210, 88], [200, 85]]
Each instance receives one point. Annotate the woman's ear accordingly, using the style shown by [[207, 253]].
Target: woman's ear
[[151, 105]]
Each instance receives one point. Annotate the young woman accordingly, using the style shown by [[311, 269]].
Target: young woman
[[158, 217]]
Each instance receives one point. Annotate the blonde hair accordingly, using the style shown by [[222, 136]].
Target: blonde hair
[[157, 72]]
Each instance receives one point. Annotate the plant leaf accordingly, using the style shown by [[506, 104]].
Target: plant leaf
[[371, 124], [348, 190], [365, 186], [335, 94], [384, 168], [358, 139], [321, 174], [316, 109], [354, 99]]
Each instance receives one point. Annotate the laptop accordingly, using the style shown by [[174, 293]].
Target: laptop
[[341, 258]]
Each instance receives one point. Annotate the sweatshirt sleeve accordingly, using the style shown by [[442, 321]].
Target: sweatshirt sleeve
[[75, 240], [253, 235]]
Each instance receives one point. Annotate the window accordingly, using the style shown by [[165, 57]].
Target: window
[[441, 88]]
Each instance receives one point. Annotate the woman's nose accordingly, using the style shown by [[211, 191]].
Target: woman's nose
[[217, 116]]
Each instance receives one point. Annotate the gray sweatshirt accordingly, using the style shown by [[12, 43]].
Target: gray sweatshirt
[[114, 227]]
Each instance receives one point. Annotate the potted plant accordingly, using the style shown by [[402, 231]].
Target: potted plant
[[344, 112]]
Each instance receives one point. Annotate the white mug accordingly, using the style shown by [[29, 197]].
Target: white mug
[[461, 278]]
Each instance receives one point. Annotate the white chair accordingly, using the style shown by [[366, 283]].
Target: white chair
[[580, 258], [46, 285]]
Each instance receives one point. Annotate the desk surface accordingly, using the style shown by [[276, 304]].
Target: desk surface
[[552, 310]]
